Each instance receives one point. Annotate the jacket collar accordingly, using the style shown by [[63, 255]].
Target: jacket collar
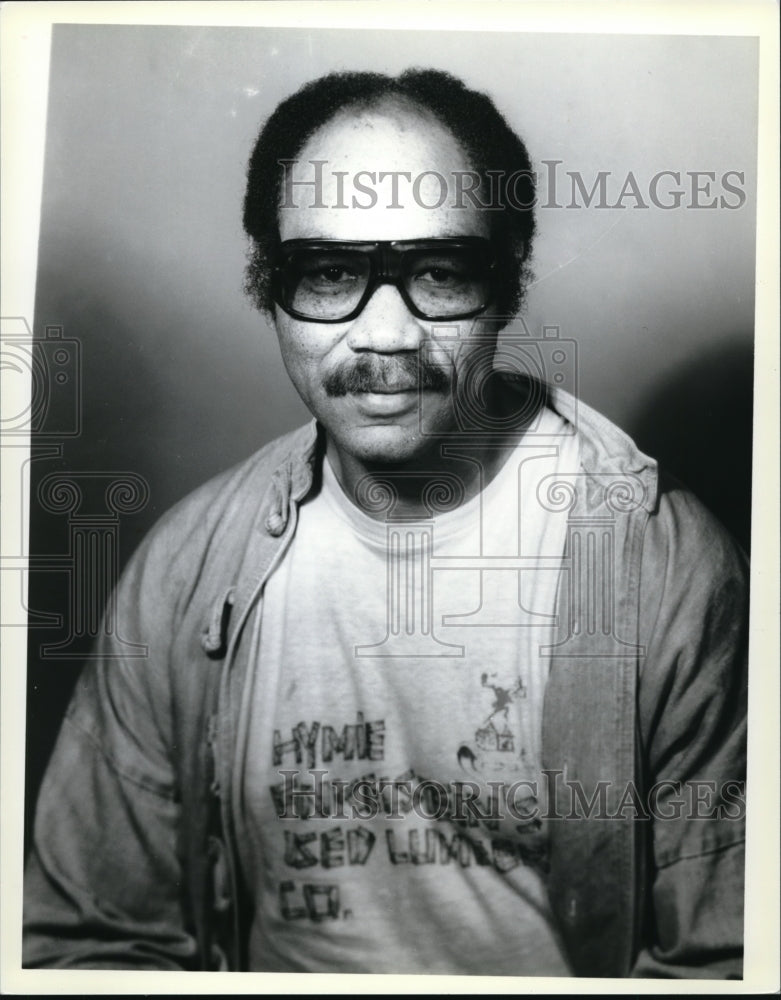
[[604, 450], [292, 479]]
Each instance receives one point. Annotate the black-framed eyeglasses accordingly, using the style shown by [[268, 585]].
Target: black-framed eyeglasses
[[330, 281]]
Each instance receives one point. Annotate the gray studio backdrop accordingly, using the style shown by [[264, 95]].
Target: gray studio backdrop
[[142, 253]]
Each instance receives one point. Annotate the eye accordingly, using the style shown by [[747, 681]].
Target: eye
[[439, 274], [442, 273], [331, 274]]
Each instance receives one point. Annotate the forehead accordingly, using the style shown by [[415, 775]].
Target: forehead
[[386, 172]]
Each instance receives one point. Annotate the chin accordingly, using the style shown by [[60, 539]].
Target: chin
[[386, 445]]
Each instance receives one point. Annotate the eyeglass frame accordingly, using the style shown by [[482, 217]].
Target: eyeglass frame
[[382, 271]]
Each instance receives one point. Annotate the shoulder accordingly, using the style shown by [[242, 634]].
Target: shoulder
[[688, 537], [216, 519], [693, 571], [679, 526], [245, 481]]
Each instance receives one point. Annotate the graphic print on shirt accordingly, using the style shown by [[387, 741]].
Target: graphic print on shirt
[[333, 822], [493, 747]]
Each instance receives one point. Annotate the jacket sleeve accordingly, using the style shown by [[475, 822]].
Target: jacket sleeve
[[103, 880], [692, 710]]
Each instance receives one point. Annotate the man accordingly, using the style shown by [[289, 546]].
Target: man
[[448, 681]]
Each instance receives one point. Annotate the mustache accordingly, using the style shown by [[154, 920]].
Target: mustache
[[385, 373]]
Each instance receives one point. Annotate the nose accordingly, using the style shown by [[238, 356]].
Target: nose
[[385, 324]]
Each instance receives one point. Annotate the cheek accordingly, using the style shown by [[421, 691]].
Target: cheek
[[302, 352]]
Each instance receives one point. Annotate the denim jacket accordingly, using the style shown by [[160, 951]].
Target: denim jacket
[[134, 863]]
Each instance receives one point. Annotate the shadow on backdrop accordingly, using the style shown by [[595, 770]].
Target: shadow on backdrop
[[699, 426], [55, 652]]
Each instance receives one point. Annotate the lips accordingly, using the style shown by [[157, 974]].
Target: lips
[[389, 389], [385, 405]]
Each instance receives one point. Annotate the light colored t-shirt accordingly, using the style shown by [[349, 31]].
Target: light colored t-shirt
[[390, 734]]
